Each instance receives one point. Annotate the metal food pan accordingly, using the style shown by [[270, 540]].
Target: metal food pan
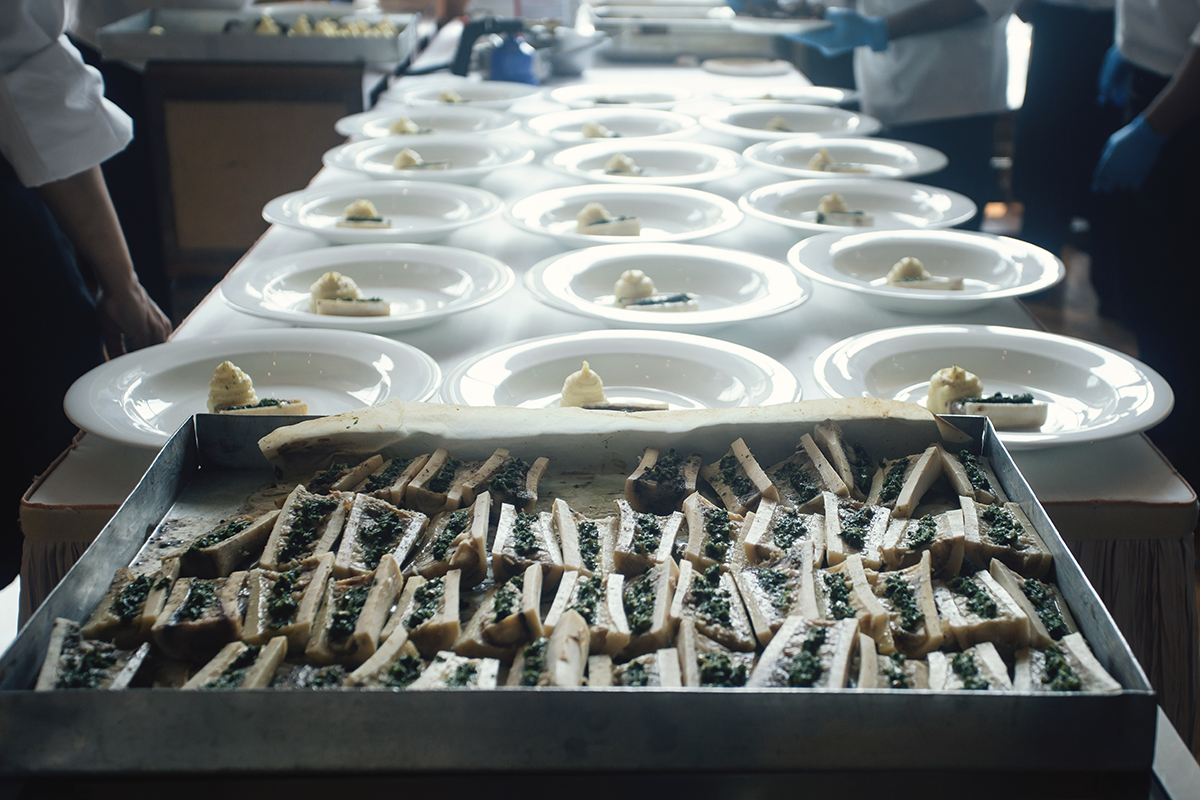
[[201, 35], [741, 730]]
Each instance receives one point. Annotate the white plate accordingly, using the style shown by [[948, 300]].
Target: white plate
[[747, 67], [422, 283], [628, 123], [807, 95], [894, 205], [471, 157], [443, 118], [879, 158], [992, 267], [141, 398], [679, 369], [731, 286], [1093, 392], [668, 213], [663, 163], [609, 95], [775, 27], [749, 121], [497, 95], [420, 211]]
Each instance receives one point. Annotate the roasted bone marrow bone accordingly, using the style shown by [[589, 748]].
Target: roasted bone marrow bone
[[342, 476], [241, 666], [391, 479], [704, 662], [286, 603], [712, 599], [73, 662], [979, 668], [941, 535], [455, 540], [974, 608], [647, 603], [914, 628], [738, 479], [588, 545], [713, 534], [557, 660], [523, 539], [1042, 602], [200, 617], [807, 654], [516, 482], [776, 530], [1004, 532], [851, 460], [662, 481], [348, 626], [773, 591], [308, 525], [971, 475], [883, 671], [643, 539], [853, 528], [804, 475], [224, 548], [901, 483], [396, 664], [428, 613], [451, 671], [375, 528], [599, 600], [1065, 666], [122, 617]]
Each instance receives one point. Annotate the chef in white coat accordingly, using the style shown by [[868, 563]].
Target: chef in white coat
[[934, 72], [55, 214]]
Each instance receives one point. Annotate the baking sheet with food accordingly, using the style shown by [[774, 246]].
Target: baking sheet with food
[[198, 483]]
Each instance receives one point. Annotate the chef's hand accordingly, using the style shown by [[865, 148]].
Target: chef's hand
[[1113, 73], [850, 29], [1128, 158], [130, 320]]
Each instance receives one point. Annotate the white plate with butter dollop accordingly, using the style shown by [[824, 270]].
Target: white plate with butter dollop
[[444, 118], [417, 211], [991, 267], [729, 286], [664, 163], [666, 213], [141, 398], [623, 123], [892, 205], [610, 95], [852, 158], [790, 93], [683, 370], [465, 158], [497, 95], [421, 283], [1092, 392], [753, 122]]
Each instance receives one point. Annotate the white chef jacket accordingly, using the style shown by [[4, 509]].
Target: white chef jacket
[[1157, 34], [54, 120], [957, 72]]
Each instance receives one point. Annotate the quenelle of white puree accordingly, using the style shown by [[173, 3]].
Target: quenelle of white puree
[[950, 384], [582, 387], [333, 286], [230, 387], [633, 285]]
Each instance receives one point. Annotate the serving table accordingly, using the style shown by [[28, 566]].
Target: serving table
[[1120, 505]]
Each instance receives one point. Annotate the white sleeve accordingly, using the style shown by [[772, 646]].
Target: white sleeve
[[54, 120], [997, 9]]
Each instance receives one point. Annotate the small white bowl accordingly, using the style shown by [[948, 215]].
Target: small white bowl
[[470, 157], [626, 123], [878, 158], [749, 122], [377, 123], [477, 94], [419, 211], [667, 213], [609, 95], [894, 205], [662, 163]]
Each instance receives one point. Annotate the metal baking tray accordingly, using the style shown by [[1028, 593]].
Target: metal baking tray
[[201, 35], [509, 731]]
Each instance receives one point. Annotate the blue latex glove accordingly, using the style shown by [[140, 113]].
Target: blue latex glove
[[850, 30], [1113, 73], [1128, 158]]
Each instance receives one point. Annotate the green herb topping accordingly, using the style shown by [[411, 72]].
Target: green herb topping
[[510, 478], [266, 402], [647, 534], [798, 478], [327, 677], [806, 669], [860, 468], [463, 675], [524, 540], [535, 661], [979, 602], [402, 672], [379, 537], [789, 526], [132, 598], [345, 615], [425, 602], [508, 597], [904, 599], [964, 667], [305, 523], [1002, 399], [855, 523], [638, 599], [588, 592], [589, 544], [322, 483], [734, 476], [894, 672], [1003, 527], [635, 674], [667, 472], [719, 528], [774, 583], [200, 596], [387, 476], [220, 534], [838, 586], [713, 602], [440, 483], [718, 669], [232, 676], [86, 670], [975, 472], [893, 481], [455, 525], [1046, 607], [282, 604], [923, 534], [1060, 675]]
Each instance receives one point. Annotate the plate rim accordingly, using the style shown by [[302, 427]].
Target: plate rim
[[1022, 440], [687, 122], [776, 368], [355, 124], [847, 141], [693, 179], [82, 396], [519, 154], [678, 94], [715, 122]]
